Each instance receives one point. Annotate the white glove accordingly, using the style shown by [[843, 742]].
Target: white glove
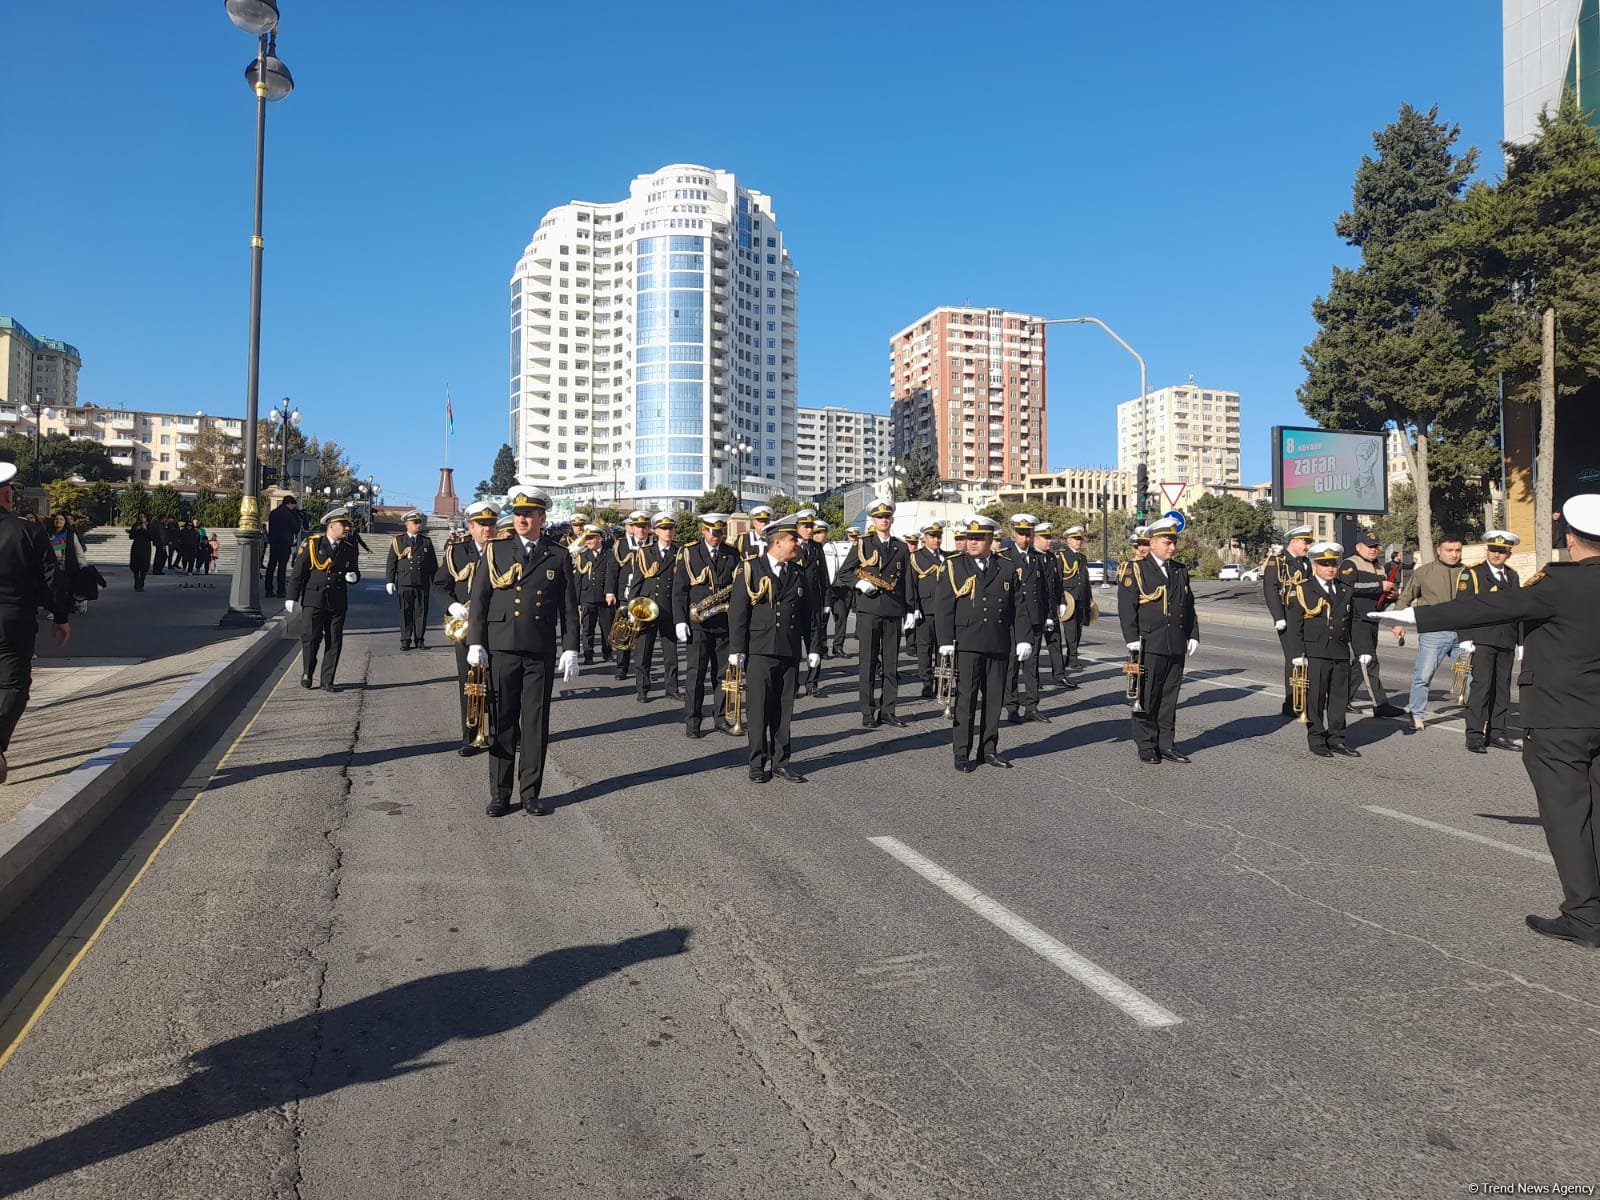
[[813, 661], [567, 664], [388, 587], [947, 650], [1024, 651], [1402, 616], [1049, 622], [1299, 662], [1134, 645], [827, 610], [736, 660], [910, 622], [1468, 647], [1366, 660], [477, 656], [1519, 654], [457, 610], [1280, 624], [290, 605], [1194, 644], [865, 588], [682, 630], [352, 577]]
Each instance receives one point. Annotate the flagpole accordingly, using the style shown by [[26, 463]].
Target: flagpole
[[447, 425]]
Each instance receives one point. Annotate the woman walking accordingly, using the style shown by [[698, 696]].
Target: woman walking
[[141, 550]]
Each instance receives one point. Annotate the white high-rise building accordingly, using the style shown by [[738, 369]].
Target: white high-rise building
[[1189, 434], [836, 446], [650, 336]]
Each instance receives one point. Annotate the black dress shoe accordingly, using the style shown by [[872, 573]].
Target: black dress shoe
[[642, 697], [802, 689], [674, 693], [330, 687], [757, 775], [1322, 752], [1564, 928], [1346, 751], [868, 721], [1034, 717], [305, 682], [422, 645], [786, 773], [1477, 748], [1174, 756], [1149, 757], [1014, 716], [536, 808], [622, 674], [1287, 711], [818, 691], [724, 727], [498, 808], [693, 731], [927, 693], [1504, 743], [965, 764], [469, 751], [405, 645], [1068, 685], [994, 760], [891, 719]]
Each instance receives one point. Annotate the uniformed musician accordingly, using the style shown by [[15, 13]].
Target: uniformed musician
[[1074, 582], [649, 575], [1035, 609], [842, 598], [409, 570], [1560, 682], [636, 529], [1491, 649], [589, 572], [753, 541], [1138, 551], [1317, 616], [819, 535], [1280, 573], [523, 607], [29, 581], [1044, 534], [452, 584], [1156, 608], [1373, 590], [927, 561], [705, 568], [324, 570], [974, 620], [884, 611], [813, 561], [767, 623]]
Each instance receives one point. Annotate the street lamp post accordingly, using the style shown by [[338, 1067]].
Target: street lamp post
[[282, 418], [38, 412], [270, 80], [1144, 390], [743, 448]]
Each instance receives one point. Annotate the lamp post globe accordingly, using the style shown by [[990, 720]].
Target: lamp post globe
[[255, 17], [269, 70]]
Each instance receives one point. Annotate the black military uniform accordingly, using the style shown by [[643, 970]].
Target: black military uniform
[[649, 575], [880, 616], [617, 559], [1156, 609], [1560, 709], [1279, 575], [452, 584], [1034, 605], [842, 599], [1493, 649], [927, 564], [811, 560], [752, 543], [324, 572], [767, 623], [702, 573], [1366, 583], [1050, 640], [283, 531], [975, 611], [1074, 583], [28, 582], [410, 568], [524, 606], [1319, 613], [589, 572]]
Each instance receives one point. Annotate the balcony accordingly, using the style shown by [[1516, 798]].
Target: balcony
[[122, 460], [119, 440]]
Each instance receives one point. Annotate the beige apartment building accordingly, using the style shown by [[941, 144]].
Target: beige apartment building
[[1072, 487], [968, 385], [1187, 434], [36, 367], [151, 446]]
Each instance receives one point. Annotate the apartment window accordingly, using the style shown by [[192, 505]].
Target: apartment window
[[165, 458], [166, 439], [164, 475]]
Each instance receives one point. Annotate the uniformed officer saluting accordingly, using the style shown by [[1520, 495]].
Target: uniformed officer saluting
[[1492, 649], [767, 627], [1560, 682], [28, 583], [1318, 617], [523, 604], [1278, 576], [705, 568], [974, 620], [324, 570], [884, 609], [1156, 609], [410, 569], [453, 583]]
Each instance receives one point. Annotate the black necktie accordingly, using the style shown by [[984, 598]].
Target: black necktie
[[527, 551]]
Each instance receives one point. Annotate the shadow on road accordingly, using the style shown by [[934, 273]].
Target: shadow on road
[[378, 1037]]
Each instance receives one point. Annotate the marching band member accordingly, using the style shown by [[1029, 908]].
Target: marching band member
[[705, 568], [589, 572], [453, 585], [637, 526], [1138, 551], [1074, 581], [410, 569], [523, 606], [753, 541], [1373, 589], [1317, 618], [885, 610], [325, 569], [770, 612], [1035, 609], [1279, 575], [649, 575], [1492, 648], [1044, 542], [1156, 608], [842, 599], [811, 559], [927, 561], [974, 621]]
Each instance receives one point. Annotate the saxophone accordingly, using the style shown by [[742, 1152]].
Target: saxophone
[[713, 605]]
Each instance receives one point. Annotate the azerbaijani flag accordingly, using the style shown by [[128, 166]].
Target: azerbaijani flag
[[449, 413]]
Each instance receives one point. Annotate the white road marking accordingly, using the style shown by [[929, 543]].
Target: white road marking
[[1536, 855], [1098, 980]]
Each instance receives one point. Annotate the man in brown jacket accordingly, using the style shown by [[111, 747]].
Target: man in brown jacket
[[1432, 583]]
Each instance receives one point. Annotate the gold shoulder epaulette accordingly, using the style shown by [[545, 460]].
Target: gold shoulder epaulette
[[1542, 573]]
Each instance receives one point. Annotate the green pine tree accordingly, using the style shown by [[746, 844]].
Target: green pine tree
[[504, 475]]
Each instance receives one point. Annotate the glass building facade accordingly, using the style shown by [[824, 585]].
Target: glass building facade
[[669, 452], [1549, 45]]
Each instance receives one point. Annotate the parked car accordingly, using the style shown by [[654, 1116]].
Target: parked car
[[1097, 572], [1230, 571], [1253, 575]]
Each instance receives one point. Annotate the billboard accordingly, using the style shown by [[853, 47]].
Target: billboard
[[1329, 470]]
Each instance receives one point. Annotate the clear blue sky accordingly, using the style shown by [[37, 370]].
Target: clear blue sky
[[1173, 168]]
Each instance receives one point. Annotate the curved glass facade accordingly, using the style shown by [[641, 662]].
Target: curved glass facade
[[670, 371]]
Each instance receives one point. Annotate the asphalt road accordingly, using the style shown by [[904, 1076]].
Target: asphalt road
[[339, 978]]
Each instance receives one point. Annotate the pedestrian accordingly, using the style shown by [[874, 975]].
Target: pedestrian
[[1431, 583], [65, 545], [325, 570], [141, 547], [283, 531], [189, 547], [28, 566], [409, 572], [161, 547], [1560, 680], [213, 552]]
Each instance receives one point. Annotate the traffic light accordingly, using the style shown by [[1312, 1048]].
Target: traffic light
[[1141, 490], [269, 476]]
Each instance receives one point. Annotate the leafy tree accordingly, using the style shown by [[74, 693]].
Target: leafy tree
[[223, 512], [165, 503], [688, 528], [921, 478], [134, 502], [609, 516], [1210, 564], [1221, 520], [782, 504], [1398, 527], [60, 457], [67, 497], [200, 507], [719, 499], [1526, 273], [213, 460], [831, 510], [1391, 350], [102, 502], [504, 475]]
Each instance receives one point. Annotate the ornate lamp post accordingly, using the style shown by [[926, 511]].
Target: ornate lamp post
[[38, 412], [741, 449], [283, 417]]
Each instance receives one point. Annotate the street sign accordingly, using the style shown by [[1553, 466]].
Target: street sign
[[1175, 515], [1172, 492]]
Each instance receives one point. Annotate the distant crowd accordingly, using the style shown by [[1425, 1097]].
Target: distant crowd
[[157, 546]]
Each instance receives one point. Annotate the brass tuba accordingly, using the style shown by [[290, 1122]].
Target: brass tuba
[[625, 630], [477, 691], [733, 699], [1461, 677]]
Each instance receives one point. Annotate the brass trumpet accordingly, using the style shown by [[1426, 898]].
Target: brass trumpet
[[1300, 691], [477, 691], [944, 684], [630, 621], [733, 699], [1461, 677], [1134, 670]]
